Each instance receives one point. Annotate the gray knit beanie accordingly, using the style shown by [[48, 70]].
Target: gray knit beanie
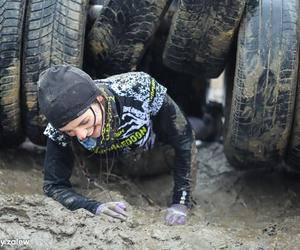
[[64, 93]]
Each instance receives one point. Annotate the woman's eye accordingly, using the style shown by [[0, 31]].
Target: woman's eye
[[84, 122]]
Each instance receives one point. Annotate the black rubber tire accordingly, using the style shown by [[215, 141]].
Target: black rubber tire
[[11, 25], [265, 84], [293, 154], [54, 34], [187, 91], [200, 36], [122, 32]]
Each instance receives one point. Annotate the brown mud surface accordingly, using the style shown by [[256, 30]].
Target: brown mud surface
[[259, 209]]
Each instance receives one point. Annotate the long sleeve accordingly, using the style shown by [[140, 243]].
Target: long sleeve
[[172, 128], [58, 167]]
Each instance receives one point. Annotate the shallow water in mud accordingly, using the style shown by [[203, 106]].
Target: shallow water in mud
[[258, 209]]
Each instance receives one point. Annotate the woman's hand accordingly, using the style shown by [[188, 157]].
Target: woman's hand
[[113, 209], [176, 214]]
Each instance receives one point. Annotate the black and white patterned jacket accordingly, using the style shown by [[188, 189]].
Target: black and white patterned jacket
[[137, 103]]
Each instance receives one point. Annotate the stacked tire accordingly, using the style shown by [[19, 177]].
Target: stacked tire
[[263, 107], [11, 29], [122, 33], [34, 35], [265, 83], [54, 34], [51, 32], [201, 35]]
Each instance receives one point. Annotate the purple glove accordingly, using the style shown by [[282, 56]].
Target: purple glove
[[113, 209], [176, 214]]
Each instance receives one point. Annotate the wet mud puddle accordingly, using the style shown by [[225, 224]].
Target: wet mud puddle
[[232, 209]]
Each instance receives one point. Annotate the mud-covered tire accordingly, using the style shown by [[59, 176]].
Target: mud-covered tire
[[11, 25], [265, 84], [54, 34], [200, 36], [122, 32], [187, 91], [293, 153]]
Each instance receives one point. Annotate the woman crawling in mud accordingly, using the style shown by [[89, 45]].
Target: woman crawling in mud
[[120, 113]]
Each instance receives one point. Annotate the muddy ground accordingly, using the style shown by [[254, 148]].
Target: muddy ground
[[233, 210]]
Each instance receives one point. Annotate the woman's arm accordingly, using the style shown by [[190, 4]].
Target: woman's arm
[[58, 167], [172, 128]]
